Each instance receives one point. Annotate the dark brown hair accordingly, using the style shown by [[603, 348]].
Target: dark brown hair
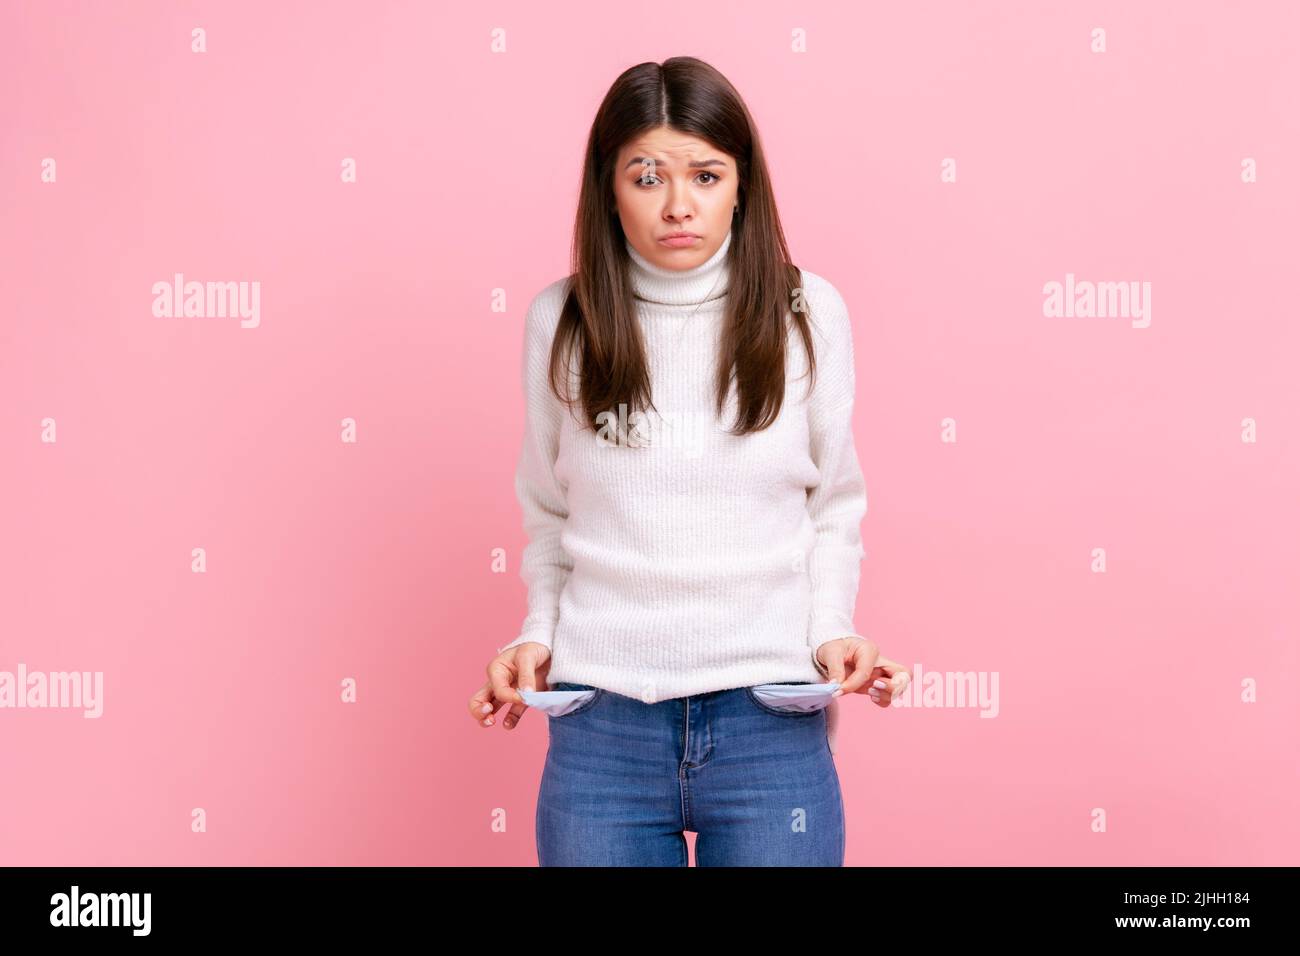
[[598, 319]]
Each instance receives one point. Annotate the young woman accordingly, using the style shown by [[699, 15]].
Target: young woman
[[692, 497]]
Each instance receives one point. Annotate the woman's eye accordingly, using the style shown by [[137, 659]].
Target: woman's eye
[[647, 180]]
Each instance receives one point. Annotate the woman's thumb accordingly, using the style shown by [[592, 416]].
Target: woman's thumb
[[527, 680], [832, 656]]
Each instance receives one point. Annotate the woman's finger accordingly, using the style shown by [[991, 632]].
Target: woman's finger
[[880, 692], [502, 677], [482, 705], [863, 656], [883, 690], [514, 715], [897, 676]]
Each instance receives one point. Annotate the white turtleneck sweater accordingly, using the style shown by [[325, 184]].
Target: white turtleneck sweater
[[700, 561]]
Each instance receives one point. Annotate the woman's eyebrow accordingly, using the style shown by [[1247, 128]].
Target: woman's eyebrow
[[694, 164]]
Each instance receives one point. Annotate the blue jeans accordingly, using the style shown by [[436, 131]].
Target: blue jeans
[[624, 779]]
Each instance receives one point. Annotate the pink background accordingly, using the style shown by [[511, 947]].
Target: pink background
[[372, 560]]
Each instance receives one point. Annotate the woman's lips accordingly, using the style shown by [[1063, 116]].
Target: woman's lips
[[678, 242]]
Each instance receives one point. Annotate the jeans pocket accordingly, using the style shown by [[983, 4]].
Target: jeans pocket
[[792, 700], [563, 699]]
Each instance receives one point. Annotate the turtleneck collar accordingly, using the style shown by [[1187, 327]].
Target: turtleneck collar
[[703, 283]]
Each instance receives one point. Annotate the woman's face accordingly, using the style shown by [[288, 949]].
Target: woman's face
[[666, 183]]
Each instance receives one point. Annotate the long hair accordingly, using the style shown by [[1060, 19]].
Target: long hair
[[598, 321]]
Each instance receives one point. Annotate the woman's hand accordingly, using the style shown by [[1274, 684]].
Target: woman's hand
[[868, 673], [524, 666]]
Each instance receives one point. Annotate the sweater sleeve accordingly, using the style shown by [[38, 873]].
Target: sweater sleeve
[[544, 564], [838, 502]]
